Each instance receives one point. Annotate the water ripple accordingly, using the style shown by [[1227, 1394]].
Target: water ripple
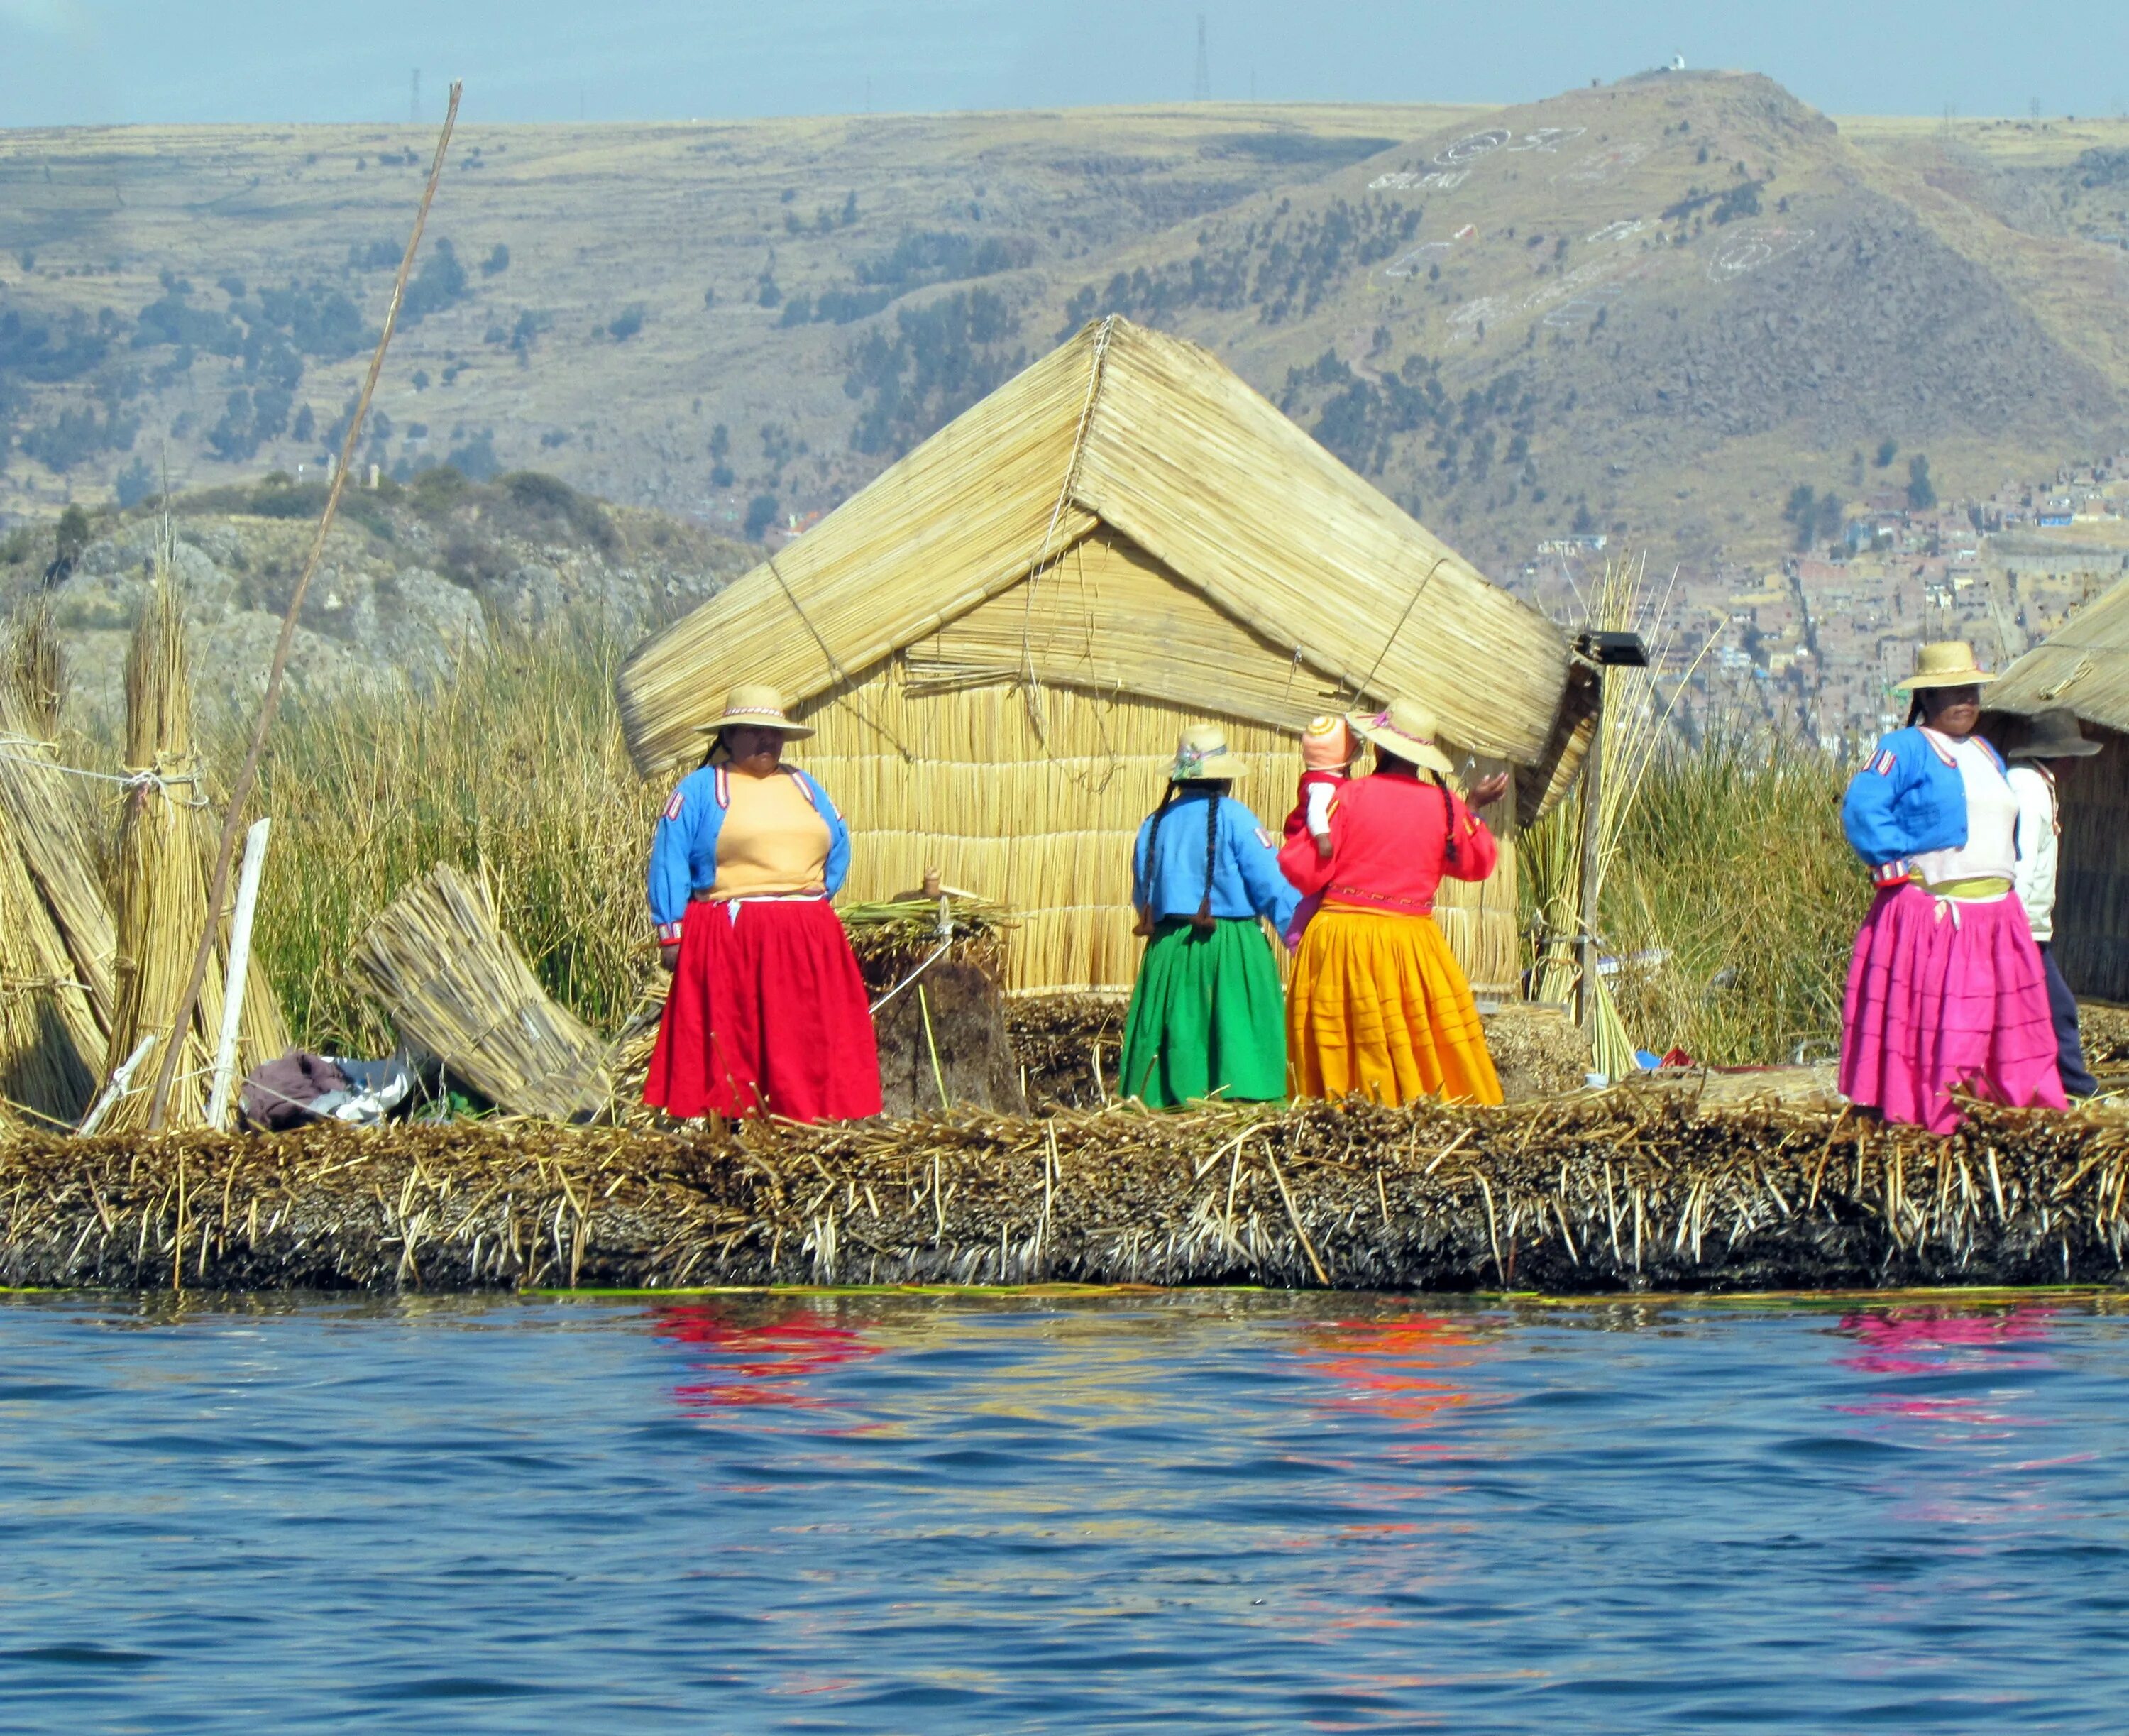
[[1210, 1511]]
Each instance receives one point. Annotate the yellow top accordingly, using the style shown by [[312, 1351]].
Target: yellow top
[[772, 843]]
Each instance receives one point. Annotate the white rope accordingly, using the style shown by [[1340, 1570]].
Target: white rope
[[938, 953], [143, 780]]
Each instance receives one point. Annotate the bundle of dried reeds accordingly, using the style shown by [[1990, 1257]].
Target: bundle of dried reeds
[[165, 834], [440, 964], [1624, 1190]]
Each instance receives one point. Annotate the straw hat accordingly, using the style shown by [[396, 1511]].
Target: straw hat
[[1405, 728], [1945, 663], [756, 706], [2055, 737], [1202, 753]]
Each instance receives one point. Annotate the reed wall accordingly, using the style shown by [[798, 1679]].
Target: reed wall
[[1033, 796], [2092, 879]]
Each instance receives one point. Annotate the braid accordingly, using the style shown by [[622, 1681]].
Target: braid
[[1204, 919], [1448, 818], [1150, 916]]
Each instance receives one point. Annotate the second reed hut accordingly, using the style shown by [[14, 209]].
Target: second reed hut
[[2084, 666], [1000, 638]]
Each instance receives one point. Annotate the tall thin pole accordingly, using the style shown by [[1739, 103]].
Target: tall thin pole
[[1592, 798], [241, 791]]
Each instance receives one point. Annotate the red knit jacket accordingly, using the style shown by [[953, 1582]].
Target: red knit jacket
[[1389, 835]]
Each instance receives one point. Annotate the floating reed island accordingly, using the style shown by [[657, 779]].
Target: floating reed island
[[1624, 1190]]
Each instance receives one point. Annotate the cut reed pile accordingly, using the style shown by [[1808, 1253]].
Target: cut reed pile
[[441, 965], [1616, 1192], [165, 841]]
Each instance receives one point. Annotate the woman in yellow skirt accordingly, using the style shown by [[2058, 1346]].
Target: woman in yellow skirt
[[1378, 1004]]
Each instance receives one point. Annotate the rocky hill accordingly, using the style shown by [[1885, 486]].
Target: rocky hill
[[411, 577], [1659, 306]]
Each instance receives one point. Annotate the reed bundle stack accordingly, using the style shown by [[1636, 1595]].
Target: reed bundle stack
[[1616, 1192], [55, 931], [1001, 638], [439, 961], [166, 838]]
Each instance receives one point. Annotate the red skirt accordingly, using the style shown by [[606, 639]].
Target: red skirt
[[766, 1016]]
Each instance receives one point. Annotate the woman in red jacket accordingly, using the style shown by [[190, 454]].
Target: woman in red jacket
[[1378, 1004]]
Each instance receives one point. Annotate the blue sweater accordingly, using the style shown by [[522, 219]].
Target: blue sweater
[[1245, 878], [683, 850], [1909, 799]]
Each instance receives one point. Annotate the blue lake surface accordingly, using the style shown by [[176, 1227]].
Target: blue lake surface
[[1189, 1511]]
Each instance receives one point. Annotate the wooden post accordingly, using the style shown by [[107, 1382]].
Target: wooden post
[[240, 966], [1592, 792]]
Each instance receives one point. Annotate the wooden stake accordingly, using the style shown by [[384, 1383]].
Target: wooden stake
[[240, 792], [239, 963]]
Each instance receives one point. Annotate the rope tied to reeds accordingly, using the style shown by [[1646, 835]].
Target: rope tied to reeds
[[147, 777]]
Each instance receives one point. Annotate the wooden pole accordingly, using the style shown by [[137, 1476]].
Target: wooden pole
[[240, 792], [240, 966], [1593, 794]]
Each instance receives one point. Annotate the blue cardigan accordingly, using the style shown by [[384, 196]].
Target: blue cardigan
[[683, 850], [1909, 799], [1245, 878]]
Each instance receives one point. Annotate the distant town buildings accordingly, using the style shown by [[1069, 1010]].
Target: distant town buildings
[[1814, 644]]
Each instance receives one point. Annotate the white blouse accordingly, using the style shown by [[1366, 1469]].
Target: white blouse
[[1991, 849]]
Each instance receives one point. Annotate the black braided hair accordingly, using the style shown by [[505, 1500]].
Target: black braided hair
[[1914, 709], [1448, 816], [1213, 788], [1152, 855], [1204, 919]]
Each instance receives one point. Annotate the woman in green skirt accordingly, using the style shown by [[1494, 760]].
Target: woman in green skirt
[[1207, 1016]]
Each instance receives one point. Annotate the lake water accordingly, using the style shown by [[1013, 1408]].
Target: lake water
[[1196, 1511]]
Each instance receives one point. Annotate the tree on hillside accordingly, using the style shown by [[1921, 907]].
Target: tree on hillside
[[761, 513], [1922, 493], [1801, 513], [1889, 449]]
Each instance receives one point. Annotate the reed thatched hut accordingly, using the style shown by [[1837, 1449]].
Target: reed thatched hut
[[2084, 666], [1000, 638]]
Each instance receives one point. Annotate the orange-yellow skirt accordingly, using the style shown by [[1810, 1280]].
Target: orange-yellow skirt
[[1378, 1006]]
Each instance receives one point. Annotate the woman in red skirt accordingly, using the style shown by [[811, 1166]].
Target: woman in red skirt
[[767, 1013]]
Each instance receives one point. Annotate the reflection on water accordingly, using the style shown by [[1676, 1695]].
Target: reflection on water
[[755, 1361], [1212, 1511]]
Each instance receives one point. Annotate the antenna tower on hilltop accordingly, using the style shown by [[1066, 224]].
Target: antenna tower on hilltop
[[1202, 89]]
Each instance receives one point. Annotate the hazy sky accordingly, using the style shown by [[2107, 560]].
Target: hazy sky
[[69, 61]]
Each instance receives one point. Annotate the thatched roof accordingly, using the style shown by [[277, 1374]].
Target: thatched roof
[[2085, 665], [1122, 432]]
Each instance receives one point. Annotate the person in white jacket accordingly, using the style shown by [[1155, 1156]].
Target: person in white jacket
[[2036, 768]]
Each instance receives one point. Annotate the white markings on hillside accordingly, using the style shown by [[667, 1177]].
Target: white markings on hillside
[[1411, 264], [1404, 181], [1618, 230], [1751, 245], [1601, 165], [1548, 138], [1584, 290], [1472, 146]]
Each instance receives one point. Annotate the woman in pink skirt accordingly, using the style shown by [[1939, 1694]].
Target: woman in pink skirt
[[1946, 987]]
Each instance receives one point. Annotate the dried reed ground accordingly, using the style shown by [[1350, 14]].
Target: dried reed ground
[[1620, 1191]]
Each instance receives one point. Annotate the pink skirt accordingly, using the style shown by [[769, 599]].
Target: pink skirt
[[1943, 994]]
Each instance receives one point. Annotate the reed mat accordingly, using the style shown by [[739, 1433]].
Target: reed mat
[[1620, 1191]]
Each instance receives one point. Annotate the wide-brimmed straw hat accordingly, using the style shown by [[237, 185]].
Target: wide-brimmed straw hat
[[756, 706], [2055, 737], [1203, 753], [1406, 728], [1944, 663]]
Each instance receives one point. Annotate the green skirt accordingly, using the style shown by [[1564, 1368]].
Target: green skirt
[[1207, 1017]]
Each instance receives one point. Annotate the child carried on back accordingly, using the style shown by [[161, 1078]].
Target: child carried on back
[[1327, 758]]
